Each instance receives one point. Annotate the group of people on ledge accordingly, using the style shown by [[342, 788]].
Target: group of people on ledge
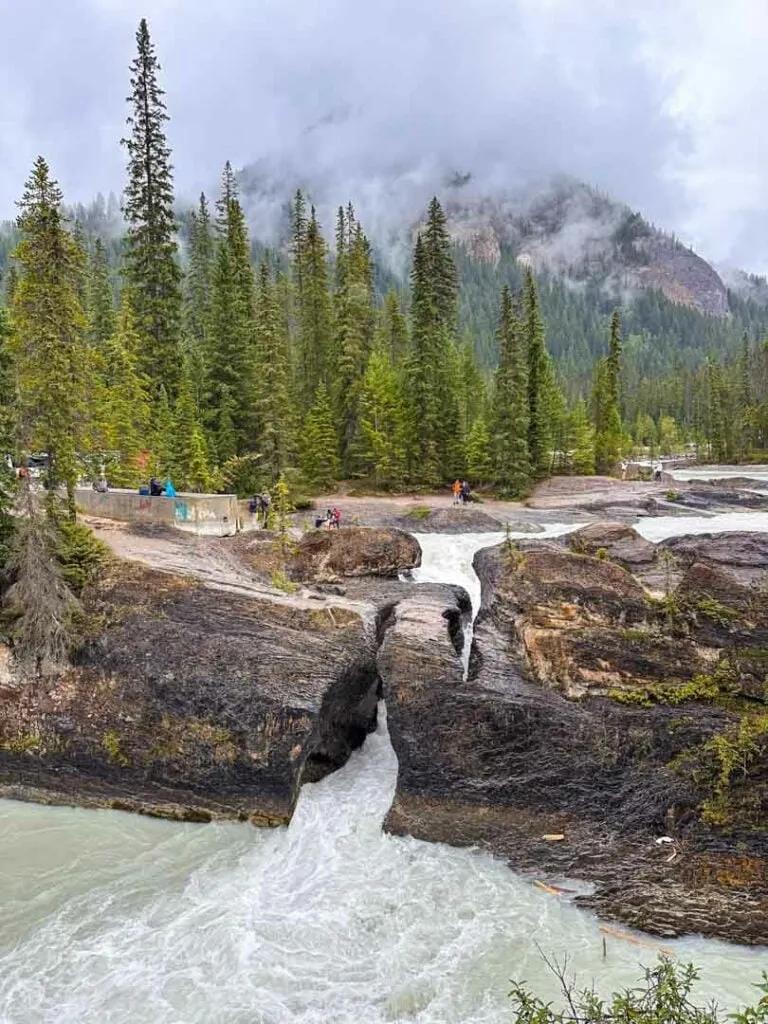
[[157, 489], [330, 521], [461, 492], [259, 506]]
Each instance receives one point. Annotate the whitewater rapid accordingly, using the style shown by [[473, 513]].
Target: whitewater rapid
[[109, 918]]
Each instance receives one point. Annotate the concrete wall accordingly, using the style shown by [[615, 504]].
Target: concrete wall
[[212, 515]]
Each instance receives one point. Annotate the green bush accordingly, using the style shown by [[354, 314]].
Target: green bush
[[419, 512], [80, 554], [663, 997]]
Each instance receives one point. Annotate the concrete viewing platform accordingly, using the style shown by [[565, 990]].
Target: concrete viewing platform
[[210, 515]]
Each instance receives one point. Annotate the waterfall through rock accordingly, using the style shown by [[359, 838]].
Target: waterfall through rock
[[110, 918]]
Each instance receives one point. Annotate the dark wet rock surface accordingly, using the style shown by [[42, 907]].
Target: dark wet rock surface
[[192, 703], [601, 670], [569, 725], [458, 519]]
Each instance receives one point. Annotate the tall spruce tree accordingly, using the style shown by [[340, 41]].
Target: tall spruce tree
[[151, 269], [434, 444], [539, 380], [275, 411], [512, 466], [50, 351], [392, 328], [100, 303], [197, 300], [318, 444], [353, 332], [232, 348], [422, 390], [188, 450], [199, 279], [314, 312], [608, 436], [382, 422], [478, 455], [581, 441], [126, 403]]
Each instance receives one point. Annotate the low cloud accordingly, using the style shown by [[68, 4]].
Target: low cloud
[[375, 101]]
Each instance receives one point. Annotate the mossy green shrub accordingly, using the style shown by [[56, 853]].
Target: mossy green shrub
[[80, 553], [419, 512]]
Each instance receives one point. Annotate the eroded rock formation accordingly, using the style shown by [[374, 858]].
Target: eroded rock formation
[[592, 711]]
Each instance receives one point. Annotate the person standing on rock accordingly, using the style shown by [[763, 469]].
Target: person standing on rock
[[456, 490], [266, 502], [465, 492]]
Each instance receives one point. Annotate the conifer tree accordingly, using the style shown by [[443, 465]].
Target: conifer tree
[[99, 298], [717, 428], [10, 282], [49, 346], [275, 412], [441, 268], [422, 375], [353, 331], [382, 423], [392, 328], [161, 432], [318, 446], [199, 278], [478, 456], [225, 439], [188, 455], [539, 425], [151, 270], [126, 402], [608, 434], [232, 351], [196, 343], [512, 468], [7, 439], [314, 312], [298, 243], [581, 441]]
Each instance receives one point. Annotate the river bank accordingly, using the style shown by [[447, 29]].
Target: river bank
[[161, 722]]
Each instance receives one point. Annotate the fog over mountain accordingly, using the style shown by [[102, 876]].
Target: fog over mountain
[[657, 103]]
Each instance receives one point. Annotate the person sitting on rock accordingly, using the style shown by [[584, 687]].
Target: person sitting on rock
[[155, 487]]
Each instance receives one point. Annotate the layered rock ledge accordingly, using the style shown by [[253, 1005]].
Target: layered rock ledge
[[617, 695], [607, 714]]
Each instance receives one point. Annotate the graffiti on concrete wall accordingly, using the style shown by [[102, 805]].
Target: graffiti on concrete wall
[[181, 510]]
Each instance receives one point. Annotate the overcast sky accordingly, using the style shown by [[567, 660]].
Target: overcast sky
[[660, 102]]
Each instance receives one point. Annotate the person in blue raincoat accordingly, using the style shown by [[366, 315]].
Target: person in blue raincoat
[[170, 490]]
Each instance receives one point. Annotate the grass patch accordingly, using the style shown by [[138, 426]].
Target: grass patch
[[418, 512], [280, 581]]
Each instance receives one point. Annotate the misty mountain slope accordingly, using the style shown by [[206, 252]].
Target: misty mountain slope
[[572, 231], [590, 254]]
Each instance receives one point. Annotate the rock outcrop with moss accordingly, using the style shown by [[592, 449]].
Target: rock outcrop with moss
[[608, 711], [191, 702]]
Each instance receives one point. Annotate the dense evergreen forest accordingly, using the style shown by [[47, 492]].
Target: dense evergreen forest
[[156, 342]]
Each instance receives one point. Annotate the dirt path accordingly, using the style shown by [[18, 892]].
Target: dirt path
[[560, 494], [216, 563], [209, 561]]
